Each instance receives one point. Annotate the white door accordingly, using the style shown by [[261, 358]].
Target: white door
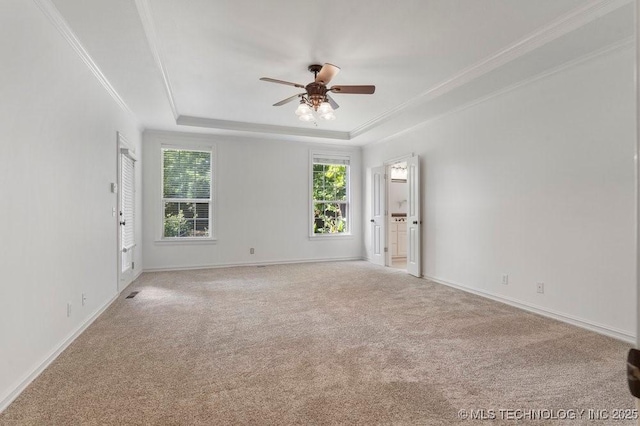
[[414, 221], [126, 215], [378, 217]]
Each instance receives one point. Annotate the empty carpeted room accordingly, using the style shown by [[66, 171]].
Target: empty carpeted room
[[338, 212]]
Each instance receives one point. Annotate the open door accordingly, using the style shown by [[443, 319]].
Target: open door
[[414, 221], [378, 216]]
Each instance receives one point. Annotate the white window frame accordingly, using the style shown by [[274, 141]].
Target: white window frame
[[341, 156], [212, 198]]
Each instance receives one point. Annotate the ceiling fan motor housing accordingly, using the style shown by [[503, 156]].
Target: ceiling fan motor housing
[[317, 93]]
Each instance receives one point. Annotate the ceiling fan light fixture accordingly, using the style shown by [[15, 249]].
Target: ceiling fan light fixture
[[325, 108], [302, 110], [306, 117]]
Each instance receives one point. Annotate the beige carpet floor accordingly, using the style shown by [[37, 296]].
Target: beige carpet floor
[[324, 343]]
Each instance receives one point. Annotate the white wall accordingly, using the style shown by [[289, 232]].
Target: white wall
[[58, 138], [537, 183], [262, 191]]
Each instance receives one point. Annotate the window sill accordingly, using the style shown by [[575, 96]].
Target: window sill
[[181, 241], [325, 237]]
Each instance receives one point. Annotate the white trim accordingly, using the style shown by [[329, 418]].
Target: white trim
[[399, 159], [144, 11], [636, 74], [242, 126], [320, 237], [53, 14], [124, 148], [186, 240], [251, 263], [610, 49], [559, 27], [170, 137], [30, 377], [566, 318]]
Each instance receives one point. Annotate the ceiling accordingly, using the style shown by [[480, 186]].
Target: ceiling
[[194, 65]]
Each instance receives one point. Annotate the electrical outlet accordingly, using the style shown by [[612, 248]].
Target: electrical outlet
[[505, 279], [84, 299], [540, 287], [252, 250], [68, 309]]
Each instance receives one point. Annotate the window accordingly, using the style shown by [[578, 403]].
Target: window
[[186, 193], [330, 204]]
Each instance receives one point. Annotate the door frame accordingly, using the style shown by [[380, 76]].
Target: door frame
[[122, 147]]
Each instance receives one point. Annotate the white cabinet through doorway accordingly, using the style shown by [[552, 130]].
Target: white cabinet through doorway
[[398, 239]]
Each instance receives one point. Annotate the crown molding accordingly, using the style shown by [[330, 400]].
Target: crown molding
[[169, 136], [213, 123], [53, 14], [565, 24], [144, 10], [610, 49]]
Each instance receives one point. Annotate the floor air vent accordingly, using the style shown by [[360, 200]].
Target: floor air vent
[[132, 294]]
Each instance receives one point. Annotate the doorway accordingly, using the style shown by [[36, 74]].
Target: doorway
[[395, 215], [397, 219]]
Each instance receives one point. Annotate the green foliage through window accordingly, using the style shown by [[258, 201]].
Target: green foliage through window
[[330, 198]]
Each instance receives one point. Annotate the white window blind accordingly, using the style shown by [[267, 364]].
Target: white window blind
[[128, 203], [127, 209], [323, 159]]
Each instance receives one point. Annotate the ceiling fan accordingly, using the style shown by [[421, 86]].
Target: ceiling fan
[[316, 95]]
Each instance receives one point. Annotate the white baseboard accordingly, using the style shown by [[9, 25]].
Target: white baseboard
[[249, 263], [570, 319], [26, 381]]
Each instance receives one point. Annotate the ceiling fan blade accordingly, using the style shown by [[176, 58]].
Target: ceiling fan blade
[[289, 99], [327, 72], [288, 83], [359, 90], [333, 103]]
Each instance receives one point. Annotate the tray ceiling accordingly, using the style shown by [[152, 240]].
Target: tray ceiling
[[194, 65]]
